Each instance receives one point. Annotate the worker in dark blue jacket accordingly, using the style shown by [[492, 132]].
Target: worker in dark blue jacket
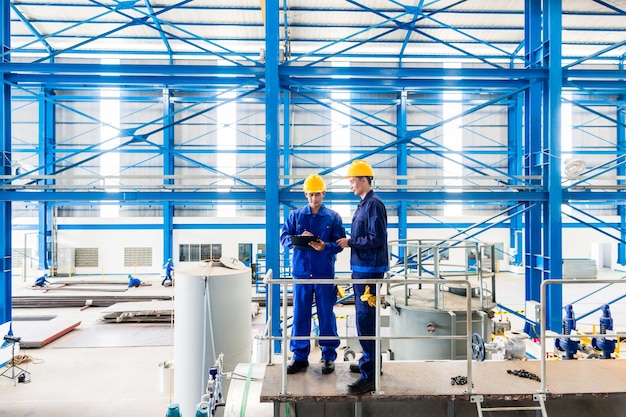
[[314, 260], [369, 259]]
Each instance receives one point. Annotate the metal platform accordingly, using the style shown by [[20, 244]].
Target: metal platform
[[429, 380], [423, 382]]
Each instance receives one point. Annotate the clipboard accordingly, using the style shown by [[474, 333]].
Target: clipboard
[[300, 240]]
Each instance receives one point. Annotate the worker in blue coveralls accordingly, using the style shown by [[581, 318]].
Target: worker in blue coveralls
[[133, 282], [42, 281], [169, 267], [368, 260], [315, 260]]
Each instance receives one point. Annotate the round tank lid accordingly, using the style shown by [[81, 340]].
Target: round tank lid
[[232, 263], [205, 268]]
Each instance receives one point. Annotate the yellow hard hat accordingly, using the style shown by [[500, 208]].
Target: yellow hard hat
[[360, 168], [314, 184]]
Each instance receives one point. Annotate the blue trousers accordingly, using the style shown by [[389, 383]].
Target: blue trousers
[[365, 324], [325, 297]]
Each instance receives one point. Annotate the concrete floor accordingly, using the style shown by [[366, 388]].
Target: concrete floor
[[88, 381], [127, 380]]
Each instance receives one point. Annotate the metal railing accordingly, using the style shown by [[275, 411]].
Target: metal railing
[[285, 338], [545, 336], [445, 260]]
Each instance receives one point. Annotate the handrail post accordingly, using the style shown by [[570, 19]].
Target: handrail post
[[270, 351], [377, 350], [284, 337], [468, 298]]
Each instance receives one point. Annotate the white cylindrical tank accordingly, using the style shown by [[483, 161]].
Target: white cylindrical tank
[[211, 316]]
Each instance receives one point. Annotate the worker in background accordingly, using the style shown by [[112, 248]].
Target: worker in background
[[169, 268], [368, 260], [42, 281], [133, 282], [316, 260]]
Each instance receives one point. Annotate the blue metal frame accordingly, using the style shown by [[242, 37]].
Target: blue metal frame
[[6, 246], [272, 158], [553, 243], [45, 157], [526, 82]]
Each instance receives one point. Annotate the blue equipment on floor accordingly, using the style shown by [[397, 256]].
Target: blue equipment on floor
[[564, 344], [213, 397], [606, 345]]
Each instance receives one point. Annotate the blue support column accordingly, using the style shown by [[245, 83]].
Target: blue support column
[[402, 170], [620, 144], [168, 169], [533, 262], [553, 222], [515, 144], [272, 158], [5, 206], [47, 140], [286, 161]]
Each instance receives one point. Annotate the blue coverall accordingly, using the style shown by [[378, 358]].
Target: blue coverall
[[311, 264], [169, 267], [369, 259], [133, 282]]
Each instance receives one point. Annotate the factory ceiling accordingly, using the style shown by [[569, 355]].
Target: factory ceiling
[[411, 31]]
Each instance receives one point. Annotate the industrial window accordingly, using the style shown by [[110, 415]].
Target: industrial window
[[138, 256], [86, 257], [245, 253], [192, 252]]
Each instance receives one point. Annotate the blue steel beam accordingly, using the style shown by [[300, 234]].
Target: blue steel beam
[[272, 158], [597, 228], [620, 144], [157, 24], [419, 14], [552, 220], [169, 141], [531, 159], [110, 10], [97, 151], [44, 38], [515, 143], [158, 27], [93, 75], [133, 21], [354, 44], [6, 218], [589, 109], [287, 165], [284, 195], [31, 28], [413, 27], [408, 138], [417, 11], [402, 167], [46, 159], [96, 71]]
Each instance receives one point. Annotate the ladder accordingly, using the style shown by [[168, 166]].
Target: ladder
[[539, 398]]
